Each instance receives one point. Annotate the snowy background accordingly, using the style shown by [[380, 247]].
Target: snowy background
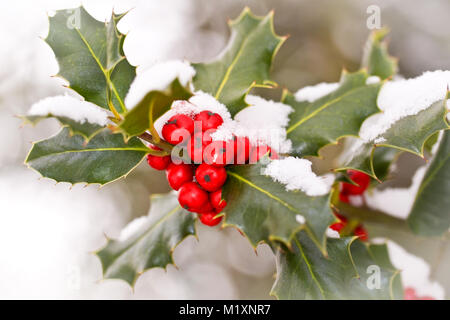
[[47, 231]]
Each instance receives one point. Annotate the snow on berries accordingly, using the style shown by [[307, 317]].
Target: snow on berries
[[210, 140], [199, 182]]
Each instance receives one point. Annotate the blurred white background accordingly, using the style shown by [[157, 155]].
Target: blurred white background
[[47, 231]]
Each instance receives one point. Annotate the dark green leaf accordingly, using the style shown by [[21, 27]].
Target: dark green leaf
[[345, 273], [67, 158], [90, 56], [265, 211], [245, 63], [340, 113], [87, 130], [430, 214], [152, 244], [382, 161], [151, 107], [407, 134], [376, 57]]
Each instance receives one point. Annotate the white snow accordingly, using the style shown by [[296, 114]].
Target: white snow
[[70, 107], [332, 234], [356, 201], [372, 80], [158, 77], [199, 102], [263, 122], [132, 227], [415, 272], [396, 202], [401, 98], [300, 219], [312, 93], [296, 174]]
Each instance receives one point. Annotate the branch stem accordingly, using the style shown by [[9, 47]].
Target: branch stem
[[167, 147]]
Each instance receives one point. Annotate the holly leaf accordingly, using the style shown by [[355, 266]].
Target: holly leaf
[[265, 211], [430, 215], [315, 124], [150, 108], [350, 271], [90, 57], [244, 64], [407, 134], [151, 245], [86, 129], [382, 160], [376, 58], [67, 158]]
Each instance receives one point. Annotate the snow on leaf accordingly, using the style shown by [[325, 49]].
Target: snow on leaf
[[264, 210], [337, 114], [158, 77], [296, 174], [81, 117]]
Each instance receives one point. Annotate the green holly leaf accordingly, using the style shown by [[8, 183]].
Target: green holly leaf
[[348, 272], [90, 56], [315, 124], [382, 160], [152, 244], [265, 211], [376, 58], [407, 134], [430, 215], [244, 64], [67, 158], [150, 108], [87, 130]]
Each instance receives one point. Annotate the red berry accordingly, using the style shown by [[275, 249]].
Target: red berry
[[361, 232], [241, 150], [211, 178], [216, 200], [178, 129], [337, 226], [207, 207], [361, 179], [259, 151], [179, 174], [410, 294], [340, 217], [157, 162], [197, 144], [209, 120], [344, 197], [191, 197], [208, 218], [219, 153]]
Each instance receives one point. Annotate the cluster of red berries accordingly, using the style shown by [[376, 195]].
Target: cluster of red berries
[[359, 230], [200, 181], [362, 181]]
